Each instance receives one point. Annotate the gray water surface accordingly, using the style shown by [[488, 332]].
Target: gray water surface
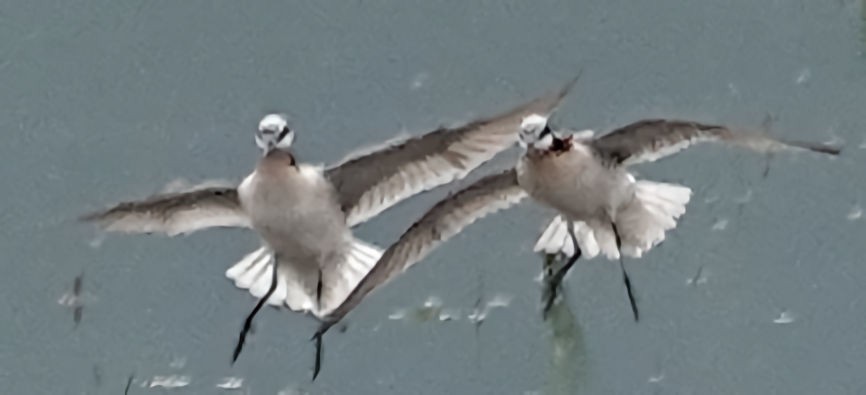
[[759, 290]]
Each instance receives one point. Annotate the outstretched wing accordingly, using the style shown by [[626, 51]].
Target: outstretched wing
[[174, 213], [370, 184], [444, 220], [652, 139]]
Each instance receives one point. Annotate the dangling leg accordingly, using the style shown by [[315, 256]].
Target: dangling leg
[[317, 366], [323, 327], [548, 264], [548, 294], [555, 279], [321, 332], [248, 323], [560, 274], [625, 278]]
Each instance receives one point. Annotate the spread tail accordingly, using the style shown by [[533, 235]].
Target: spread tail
[[655, 209], [297, 288], [642, 224]]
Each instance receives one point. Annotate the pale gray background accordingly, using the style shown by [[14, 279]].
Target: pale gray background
[[109, 100]]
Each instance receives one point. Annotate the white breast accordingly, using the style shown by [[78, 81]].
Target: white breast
[[575, 183], [296, 214]]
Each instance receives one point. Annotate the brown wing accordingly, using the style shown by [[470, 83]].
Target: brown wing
[[440, 223], [370, 184], [652, 139], [174, 213]]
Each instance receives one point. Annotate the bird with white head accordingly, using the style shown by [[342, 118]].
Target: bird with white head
[[602, 208], [274, 132], [535, 132], [309, 260]]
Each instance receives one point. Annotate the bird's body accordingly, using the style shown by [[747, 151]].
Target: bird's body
[[304, 213], [601, 207], [300, 220], [594, 195], [571, 181], [309, 259]]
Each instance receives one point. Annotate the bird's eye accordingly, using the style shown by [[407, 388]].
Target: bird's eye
[[544, 132], [283, 132]]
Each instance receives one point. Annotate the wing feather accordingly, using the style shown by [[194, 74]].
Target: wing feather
[[444, 220], [652, 139], [371, 183], [174, 213]]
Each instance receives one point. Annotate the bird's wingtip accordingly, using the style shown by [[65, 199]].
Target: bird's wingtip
[[566, 89], [818, 147]]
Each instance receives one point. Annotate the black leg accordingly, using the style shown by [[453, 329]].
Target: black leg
[[317, 366], [248, 323], [555, 279], [323, 327], [128, 384], [548, 264], [625, 278], [548, 294]]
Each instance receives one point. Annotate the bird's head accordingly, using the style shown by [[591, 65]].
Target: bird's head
[[274, 133]]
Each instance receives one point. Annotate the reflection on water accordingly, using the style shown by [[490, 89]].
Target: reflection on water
[[568, 367], [433, 310], [74, 299]]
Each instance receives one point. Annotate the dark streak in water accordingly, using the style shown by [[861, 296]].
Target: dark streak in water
[[767, 125], [697, 276], [77, 286], [478, 302], [767, 164], [477, 323], [76, 314], [128, 383], [568, 366]]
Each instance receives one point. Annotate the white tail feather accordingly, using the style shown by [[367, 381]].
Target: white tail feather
[[349, 273], [654, 211], [298, 290], [555, 239], [642, 224], [552, 239], [605, 238]]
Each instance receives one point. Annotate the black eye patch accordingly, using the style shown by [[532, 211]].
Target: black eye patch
[[283, 132], [544, 132]]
